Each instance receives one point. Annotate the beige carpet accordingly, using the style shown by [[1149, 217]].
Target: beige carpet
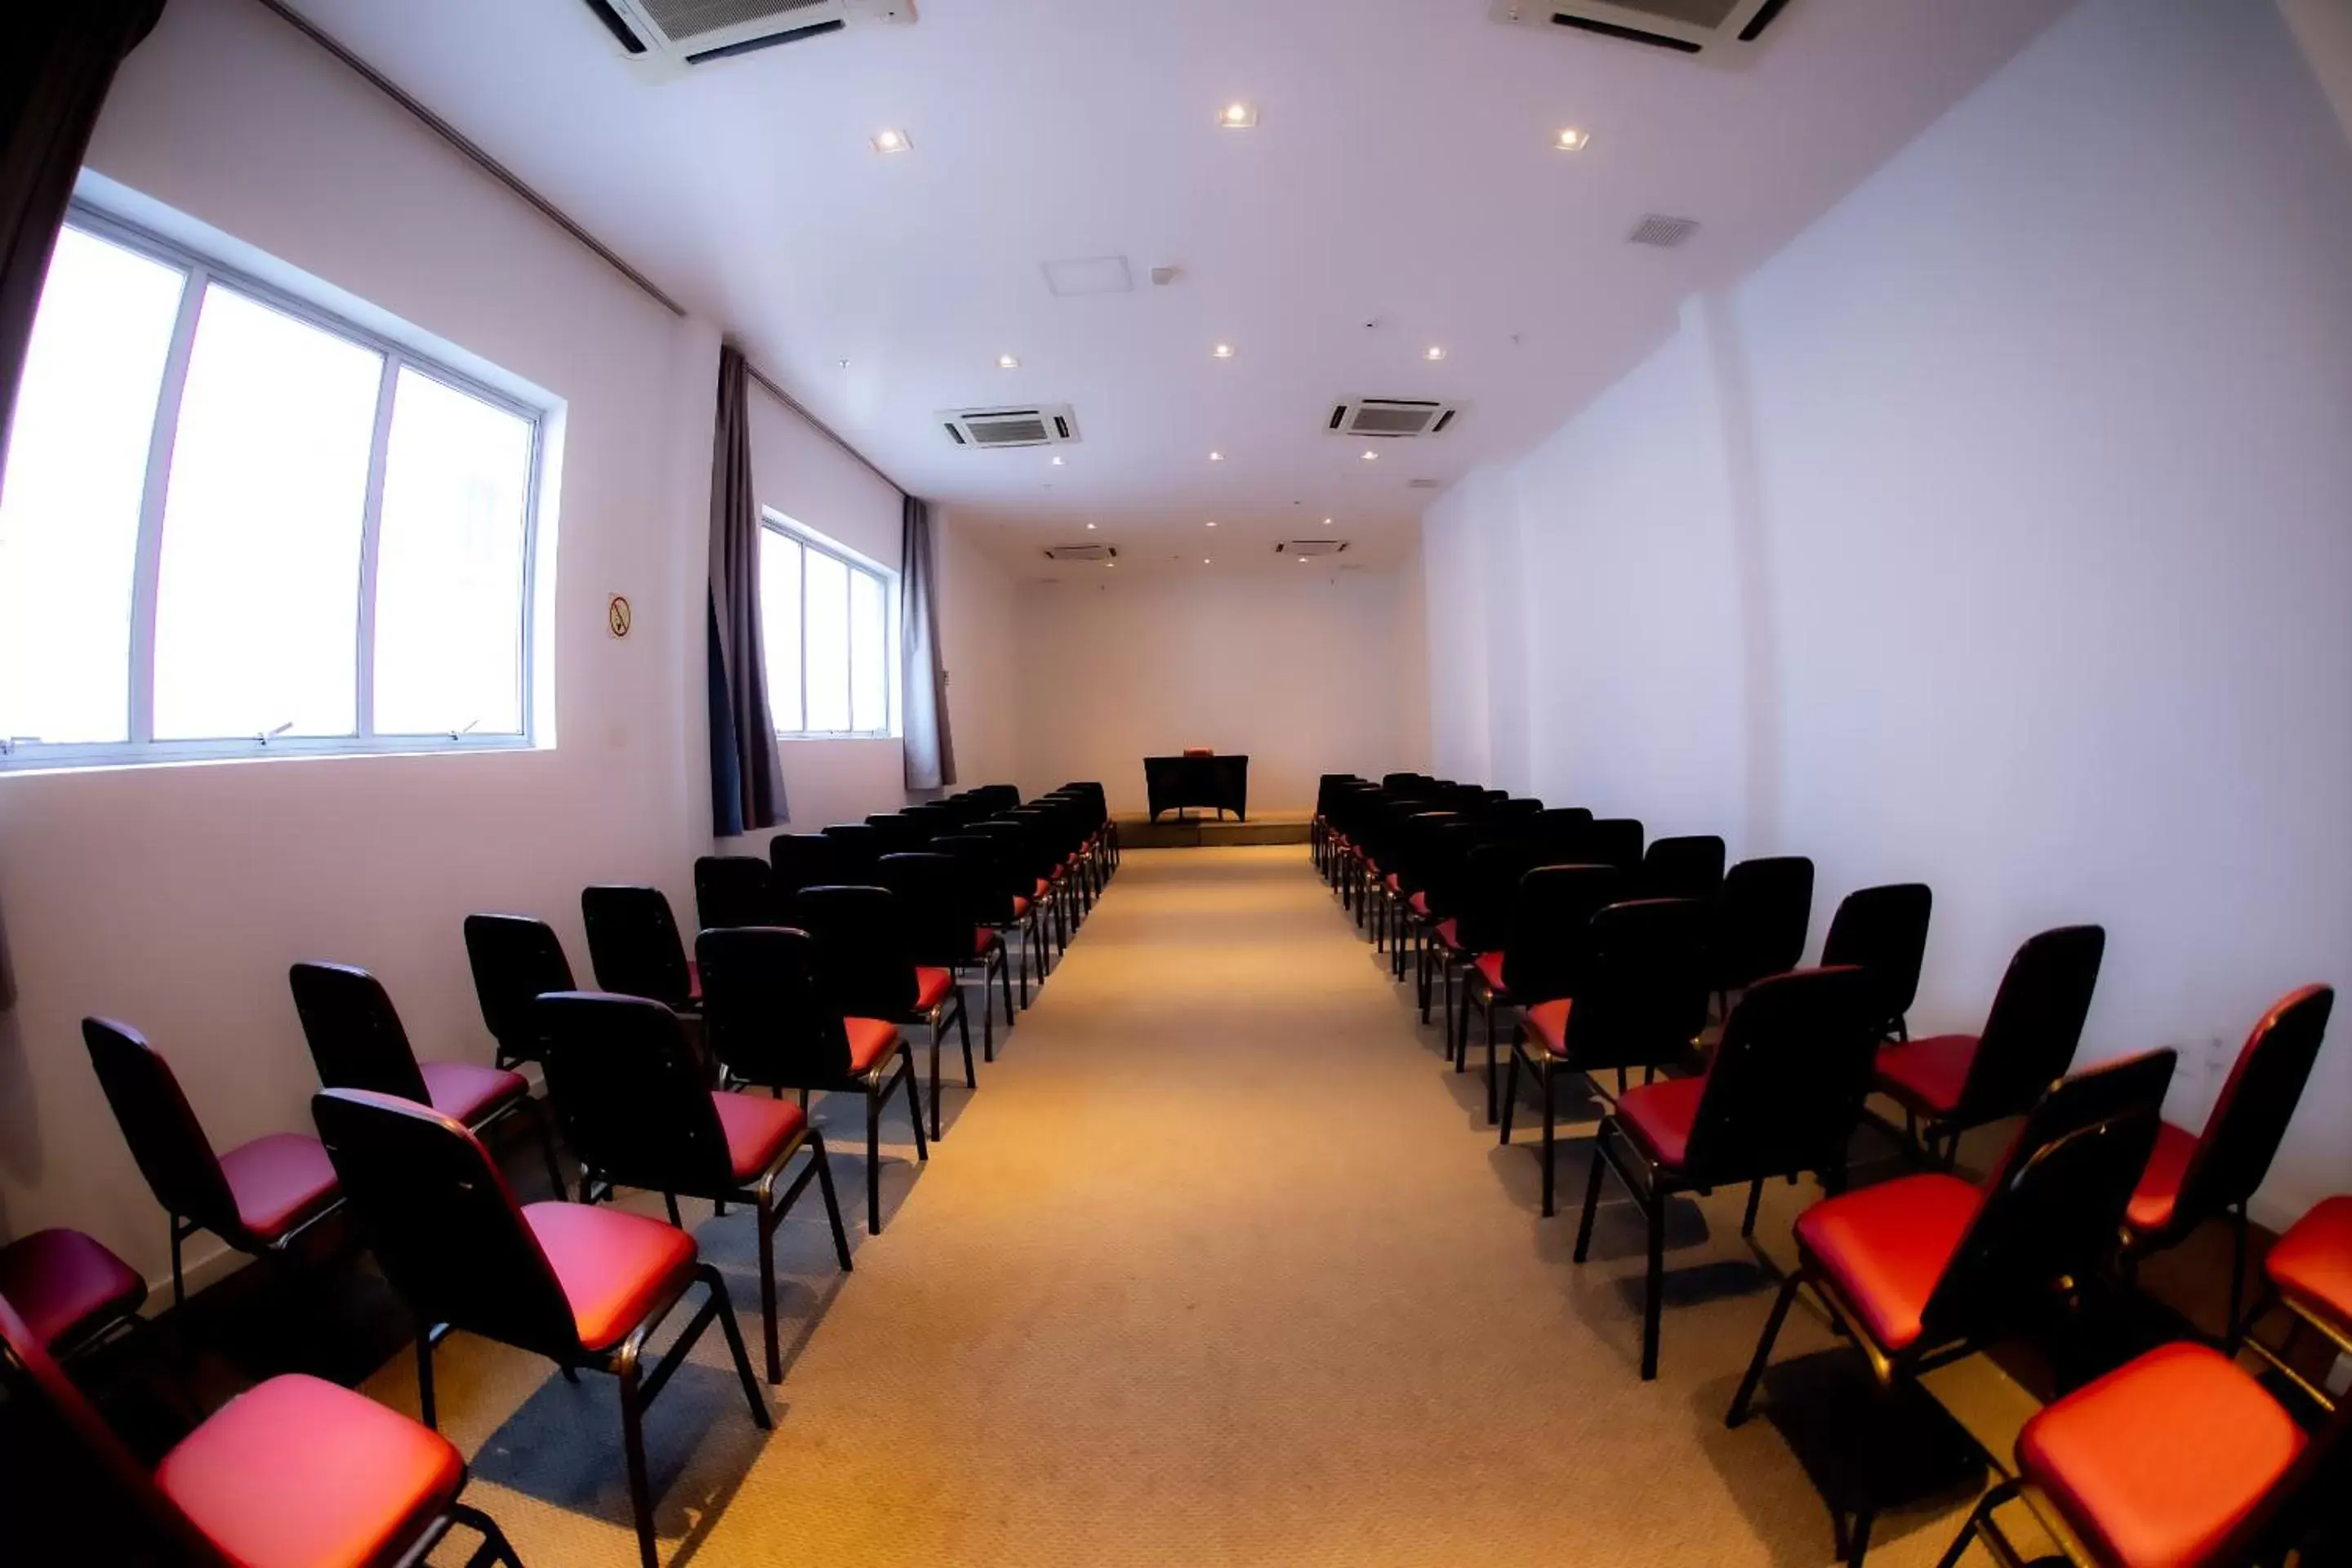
[[1221, 1264]]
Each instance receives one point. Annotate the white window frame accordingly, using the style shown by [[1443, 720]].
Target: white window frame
[[810, 539], [201, 270]]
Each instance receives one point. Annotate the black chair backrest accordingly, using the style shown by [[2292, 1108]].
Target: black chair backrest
[[1642, 999], [1690, 867], [1489, 887], [1445, 862], [733, 890], [442, 1223], [354, 1032], [2250, 1117], [166, 1138], [1520, 810], [940, 902], [1761, 918], [859, 846], [1551, 918], [629, 1089], [1615, 841], [995, 880], [765, 1012], [862, 948], [634, 945], [894, 831], [516, 960], [804, 860], [2036, 1022], [1786, 1085], [1558, 833], [1883, 931], [2054, 1207]]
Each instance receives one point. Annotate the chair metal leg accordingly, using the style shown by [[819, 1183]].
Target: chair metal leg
[[935, 1080], [1510, 1096], [426, 1405], [1550, 1126], [179, 1280], [1755, 1197], [544, 1119], [633, 1444], [1004, 981], [1857, 1540], [1591, 1204], [832, 1203], [495, 1547], [2233, 1331], [763, 1220], [914, 1102], [1780, 1305], [670, 1201], [708, 1274], [873, 1157], [1654, 1291], [1490, 1062], [1979, 1521], [964, 1029]]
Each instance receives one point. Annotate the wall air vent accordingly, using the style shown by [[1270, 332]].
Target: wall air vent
[[1390, 417], [662, 37], [1727, 29], [1087, 553], [1310, 547], [1035, 425], [1665, 233]]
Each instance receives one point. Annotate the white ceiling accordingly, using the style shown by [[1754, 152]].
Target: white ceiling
[[1400, 175]]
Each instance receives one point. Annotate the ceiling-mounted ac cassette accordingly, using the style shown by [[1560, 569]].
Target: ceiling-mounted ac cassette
[[1025, 425], [1310, 547], [1390, 418], [1725, 30], [663, 38], [1087, 553]]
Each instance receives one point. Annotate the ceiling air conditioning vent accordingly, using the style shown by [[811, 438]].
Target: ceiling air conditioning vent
[[662, 37], [1391, 418], [1663, 232], [1311, 546], [1710, 28], [1038, 425], [1089, 552]]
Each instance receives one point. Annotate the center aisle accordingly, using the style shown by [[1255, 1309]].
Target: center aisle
[[1220, 1265]]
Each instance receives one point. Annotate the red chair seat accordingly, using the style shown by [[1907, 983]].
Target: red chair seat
[[1020, 906], [1043, 888], [279, 1181], [1490, 969], [1449, 937], [1661, 1115], [464, 1092], [757, 1128], [931, 987], [1548, 1023], [1419, 904], [1390, 882], [2312, 1264], [2159, 1185], [2156, 1462], [1884, 1248], [65, 1285], [612, 1266], [1928, 1075], [870, 1040], [303, 1473], [694, 979], [982, 941]]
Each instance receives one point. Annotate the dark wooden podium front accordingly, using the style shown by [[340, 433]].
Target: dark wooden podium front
[[1221, 783]]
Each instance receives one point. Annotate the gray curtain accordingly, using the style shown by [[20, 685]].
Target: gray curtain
[[746, 782], [930, 749]]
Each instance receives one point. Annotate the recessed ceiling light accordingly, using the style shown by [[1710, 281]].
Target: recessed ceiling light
[[1327, 522], [1237, 116], [1571, 139], [1057, 460], [1222, 350], [1212, 522], [1370, 456], [1205, 561], [1433, 350], [1300, 559], [1090, 528], [1216, 457], [891, 142], [1006, 362]]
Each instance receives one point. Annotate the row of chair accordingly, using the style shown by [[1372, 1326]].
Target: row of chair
[[800, 980], [1610, 964]]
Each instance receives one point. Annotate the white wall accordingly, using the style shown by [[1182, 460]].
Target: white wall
[[1305, 677], [979, 636], [1995, 534], [174, 898]]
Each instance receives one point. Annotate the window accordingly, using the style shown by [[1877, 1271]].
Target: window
[[232, 524], [825, 618]]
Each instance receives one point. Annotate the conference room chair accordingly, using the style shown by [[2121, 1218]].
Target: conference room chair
[[858, 846], [1883, 931], [2179, 1457], [1688, 866], [1544, 957], [628, 1088], [295, 1472], [1761, 918], [1927, 1268], [2308, 1274], [1948, 1084], [516, 960], [1026, 865], [1557, 831], [1417, 837], [1640, 1001], [944, 903], [771, 1022], [797, 860], [1781, 1097], [584, 1287], [357, 1042], [894, 831], [734, 891], [1101, 828], [1005, 905], [1444, 865], [2193, 1177], [73, 1293], [1318, 823], [1048, 863], [1616, 841], [865, 946], [1482, 931], [262, 1197], [634, 948]]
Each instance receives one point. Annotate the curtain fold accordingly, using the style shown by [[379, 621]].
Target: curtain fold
[[747, 781], [929, 747]]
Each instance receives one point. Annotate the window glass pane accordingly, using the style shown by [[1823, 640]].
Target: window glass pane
[[258, 610], [77, 469], [828, 642], [779, 626], [449, 556], [869, 701]]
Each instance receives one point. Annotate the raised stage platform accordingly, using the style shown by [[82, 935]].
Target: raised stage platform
[[1138, 832]]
